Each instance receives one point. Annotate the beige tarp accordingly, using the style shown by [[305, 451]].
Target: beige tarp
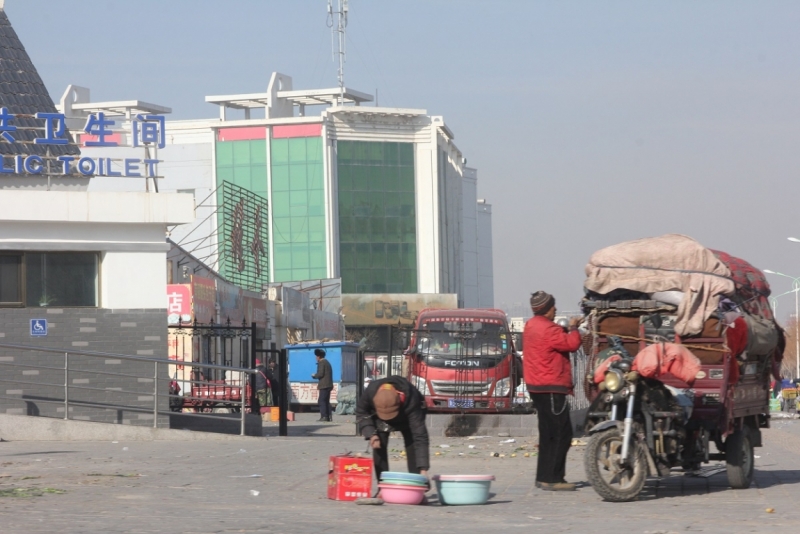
[[667, 263]]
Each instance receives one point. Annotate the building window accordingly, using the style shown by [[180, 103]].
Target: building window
[[11, 279], [55, 279], [298, 209], [377, 217]]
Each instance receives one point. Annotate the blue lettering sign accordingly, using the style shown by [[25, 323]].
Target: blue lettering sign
[[98, 125], [29, 161], [110, 172], [151, 167], [148, 129], [5, 125], [67, 163], [54, 129], [86, 166], [132, 167]]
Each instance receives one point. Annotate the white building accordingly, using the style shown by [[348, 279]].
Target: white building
[[379, 197]]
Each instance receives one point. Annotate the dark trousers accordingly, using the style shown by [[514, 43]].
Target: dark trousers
[[380, 457], [325, 403], [555, 436]]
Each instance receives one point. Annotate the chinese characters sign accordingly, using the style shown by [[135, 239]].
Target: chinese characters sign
[[242, 217], [145, 130]]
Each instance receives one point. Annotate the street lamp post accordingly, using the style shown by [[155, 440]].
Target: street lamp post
[[796, 291]]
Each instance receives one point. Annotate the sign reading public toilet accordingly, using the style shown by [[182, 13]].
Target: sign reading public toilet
[[144, 130]]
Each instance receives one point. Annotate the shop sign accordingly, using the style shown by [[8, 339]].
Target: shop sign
[[179, 303], [145, 130]]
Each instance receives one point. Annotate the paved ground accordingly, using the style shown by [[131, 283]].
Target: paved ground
[[207, 487]]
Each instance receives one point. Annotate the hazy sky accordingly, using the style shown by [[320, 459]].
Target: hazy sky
[[590, 123]]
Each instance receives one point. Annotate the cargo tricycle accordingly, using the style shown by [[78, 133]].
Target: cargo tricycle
[[675, 384]]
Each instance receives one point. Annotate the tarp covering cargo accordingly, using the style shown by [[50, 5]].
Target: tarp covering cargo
[[671, 262]]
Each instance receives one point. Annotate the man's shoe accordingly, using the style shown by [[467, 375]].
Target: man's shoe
[[322, 420], [557, 486], [538, 484]]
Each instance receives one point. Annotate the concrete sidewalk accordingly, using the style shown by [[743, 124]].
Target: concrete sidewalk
[[279, 484]]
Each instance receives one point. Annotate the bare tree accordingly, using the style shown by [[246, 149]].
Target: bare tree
[[789, 364], [367, 338]]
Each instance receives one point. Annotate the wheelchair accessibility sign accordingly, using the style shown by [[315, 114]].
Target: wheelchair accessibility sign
[[38, 327]]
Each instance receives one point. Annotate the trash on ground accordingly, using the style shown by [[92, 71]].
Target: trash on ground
[[370, 501], [115, 442], [478, 437], [29, 492], [770, 510], [471, 446], [494, 454], [444, 446], [577, 442], [242, 450], [255, 493], [124, 448], [509, 441], [246, 476]]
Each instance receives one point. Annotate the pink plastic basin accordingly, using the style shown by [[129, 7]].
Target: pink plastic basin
[[394, 494]]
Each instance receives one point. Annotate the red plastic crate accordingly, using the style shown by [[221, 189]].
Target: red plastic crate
[[349, 478]]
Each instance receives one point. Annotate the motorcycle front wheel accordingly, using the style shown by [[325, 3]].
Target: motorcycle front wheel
[[609, 479]]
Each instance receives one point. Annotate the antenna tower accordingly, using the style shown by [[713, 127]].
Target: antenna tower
[[338, 37]]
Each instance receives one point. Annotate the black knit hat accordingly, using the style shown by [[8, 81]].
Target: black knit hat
[[541, 302], [319, 353]]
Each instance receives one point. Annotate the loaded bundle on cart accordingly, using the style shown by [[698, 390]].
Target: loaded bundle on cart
[[681, 349]]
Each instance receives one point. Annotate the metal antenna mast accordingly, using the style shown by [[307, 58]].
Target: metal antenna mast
[[340, 29]]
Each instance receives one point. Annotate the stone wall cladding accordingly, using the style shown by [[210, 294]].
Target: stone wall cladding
[[32, 382]]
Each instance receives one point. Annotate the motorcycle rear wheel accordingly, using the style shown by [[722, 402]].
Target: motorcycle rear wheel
[[611, 481], [740, 458]]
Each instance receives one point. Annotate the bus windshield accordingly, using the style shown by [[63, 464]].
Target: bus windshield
[[462, 339]]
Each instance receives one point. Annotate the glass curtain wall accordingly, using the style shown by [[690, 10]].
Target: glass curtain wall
[[298, 209], [377, 217]]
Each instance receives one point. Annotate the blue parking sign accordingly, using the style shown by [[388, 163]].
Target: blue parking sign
[[38, 327]]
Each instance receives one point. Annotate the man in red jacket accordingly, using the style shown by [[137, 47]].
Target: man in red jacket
[[548, 376]]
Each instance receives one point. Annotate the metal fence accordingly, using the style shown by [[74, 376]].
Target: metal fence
[[150, 393]]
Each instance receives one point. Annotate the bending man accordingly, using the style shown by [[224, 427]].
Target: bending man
[[391, 404]]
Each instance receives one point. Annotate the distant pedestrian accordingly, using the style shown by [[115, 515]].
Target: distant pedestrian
[[325, 385], [275, 383], [548, 377], [263, 393]]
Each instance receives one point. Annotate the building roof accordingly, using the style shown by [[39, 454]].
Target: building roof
[[307, 97], [124, 108], [22, 92]]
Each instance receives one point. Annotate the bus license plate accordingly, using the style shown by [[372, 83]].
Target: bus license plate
[[460, 403]]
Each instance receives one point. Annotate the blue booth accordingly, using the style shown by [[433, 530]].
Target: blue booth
[[343, 357]]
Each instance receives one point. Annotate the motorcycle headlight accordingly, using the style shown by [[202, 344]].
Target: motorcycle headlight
[[421, 384], [502, 387], [614, 381]]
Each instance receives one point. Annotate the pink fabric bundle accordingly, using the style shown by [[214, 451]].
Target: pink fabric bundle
[[600, 372], [667, 358]]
